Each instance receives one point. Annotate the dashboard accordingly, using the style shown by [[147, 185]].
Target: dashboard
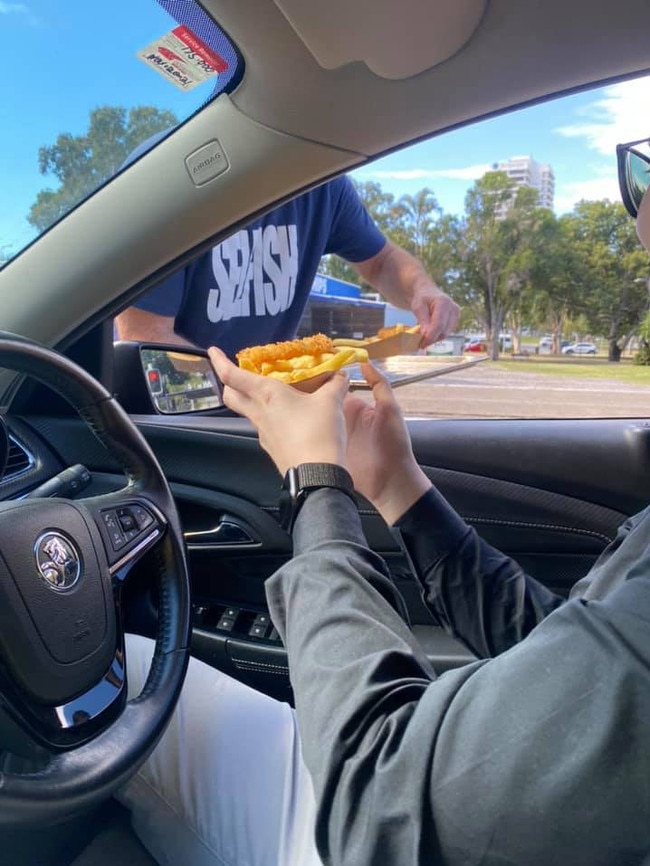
[[231, 529]]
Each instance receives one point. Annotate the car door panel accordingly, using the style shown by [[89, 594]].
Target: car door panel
[[551, 494]]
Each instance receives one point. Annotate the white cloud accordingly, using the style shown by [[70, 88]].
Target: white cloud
[[621, 114], [21, 9], [595, 189], [13, 8], [470, 172]]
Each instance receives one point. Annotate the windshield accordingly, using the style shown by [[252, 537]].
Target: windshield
[[86, 84]]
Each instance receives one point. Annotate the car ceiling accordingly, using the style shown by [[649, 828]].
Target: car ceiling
[[292, 122]]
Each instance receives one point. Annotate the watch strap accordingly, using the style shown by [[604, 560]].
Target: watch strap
[[309, 475], [303, 479]]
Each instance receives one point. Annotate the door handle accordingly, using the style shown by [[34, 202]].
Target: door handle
[[226, 533]]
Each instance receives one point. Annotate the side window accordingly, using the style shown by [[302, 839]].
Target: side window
[[517, 219], [520, 220]]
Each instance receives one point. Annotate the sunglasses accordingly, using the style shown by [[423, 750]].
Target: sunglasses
[[633, 174]]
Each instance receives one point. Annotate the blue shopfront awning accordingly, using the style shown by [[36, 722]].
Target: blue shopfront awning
[[332, 291]]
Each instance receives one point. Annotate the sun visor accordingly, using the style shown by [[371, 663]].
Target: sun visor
[[394, 38], [643, 221]]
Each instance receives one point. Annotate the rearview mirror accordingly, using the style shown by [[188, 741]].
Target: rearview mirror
[[180, 380]]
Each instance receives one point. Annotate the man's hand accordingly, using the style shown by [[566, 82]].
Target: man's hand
[[380, 457], [436, 313], [403, 281], [293, 427]]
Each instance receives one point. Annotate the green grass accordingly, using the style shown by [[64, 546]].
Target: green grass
[[597, 369]]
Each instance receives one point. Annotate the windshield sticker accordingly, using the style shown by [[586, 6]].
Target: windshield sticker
[[182, 58]]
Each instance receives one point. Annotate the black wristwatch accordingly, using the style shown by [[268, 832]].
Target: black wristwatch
[[302, 479]]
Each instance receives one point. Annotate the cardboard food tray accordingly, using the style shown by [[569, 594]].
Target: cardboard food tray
[[399, 344], [437, 369], [359, 384], [313, 384]]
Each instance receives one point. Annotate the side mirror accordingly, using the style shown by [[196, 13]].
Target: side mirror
[[167, 379]]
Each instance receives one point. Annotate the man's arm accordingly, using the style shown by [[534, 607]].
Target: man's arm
[[401, 279], [151, 319], [142, 326]]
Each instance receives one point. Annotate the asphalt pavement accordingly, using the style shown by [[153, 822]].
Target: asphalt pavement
[[483, 391]]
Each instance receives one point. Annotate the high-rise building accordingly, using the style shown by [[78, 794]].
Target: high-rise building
[[524, 171]]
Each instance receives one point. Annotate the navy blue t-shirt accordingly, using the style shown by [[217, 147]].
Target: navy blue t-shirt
[[253, 287]]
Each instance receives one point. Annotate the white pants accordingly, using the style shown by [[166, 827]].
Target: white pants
[[226, 785]]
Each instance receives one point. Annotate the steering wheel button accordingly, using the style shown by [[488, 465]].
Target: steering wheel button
[[109, 519], [142, 516], [117, 539], [127, 520]]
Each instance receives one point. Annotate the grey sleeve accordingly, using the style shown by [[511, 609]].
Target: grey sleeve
[[531, 758], [478, 594]]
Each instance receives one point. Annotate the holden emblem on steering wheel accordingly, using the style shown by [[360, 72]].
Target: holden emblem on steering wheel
[[58, 561]]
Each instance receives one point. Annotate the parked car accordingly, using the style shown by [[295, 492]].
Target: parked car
[[478, 343], [475, 344], [580, 349]]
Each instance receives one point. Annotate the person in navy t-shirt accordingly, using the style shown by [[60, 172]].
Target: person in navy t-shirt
[[253, 287]]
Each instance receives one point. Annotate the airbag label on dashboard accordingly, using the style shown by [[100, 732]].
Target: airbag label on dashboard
[[206, 163], [183, 58]]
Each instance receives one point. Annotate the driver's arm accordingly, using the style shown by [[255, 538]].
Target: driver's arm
[[477, 593], [509, 760]]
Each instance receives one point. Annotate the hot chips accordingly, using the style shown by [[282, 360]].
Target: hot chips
[[382, 334], [297, 360]]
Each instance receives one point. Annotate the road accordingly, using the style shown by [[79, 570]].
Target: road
[[485, 392]]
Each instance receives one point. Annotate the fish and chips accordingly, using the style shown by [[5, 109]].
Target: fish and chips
[[294, 361]]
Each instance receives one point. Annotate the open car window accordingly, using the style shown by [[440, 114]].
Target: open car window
[[517, 218]]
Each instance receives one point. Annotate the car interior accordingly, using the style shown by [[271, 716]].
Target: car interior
[[183, 505]]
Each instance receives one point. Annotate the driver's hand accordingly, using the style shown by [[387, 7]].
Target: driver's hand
[[294, 427], [380, 457]]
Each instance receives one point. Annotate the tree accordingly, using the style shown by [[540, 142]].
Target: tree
[[416, 216], [642, 355], [382, 208], [338, 268], [82, 163], [613, 274], [553, 290], [497, 252]]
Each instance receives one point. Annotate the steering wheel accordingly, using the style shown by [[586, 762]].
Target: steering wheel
[[62, 655]]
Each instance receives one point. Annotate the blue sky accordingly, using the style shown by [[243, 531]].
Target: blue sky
[[64, 62], [576, 135]]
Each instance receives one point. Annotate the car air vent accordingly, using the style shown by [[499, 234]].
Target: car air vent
[[19, 459]]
